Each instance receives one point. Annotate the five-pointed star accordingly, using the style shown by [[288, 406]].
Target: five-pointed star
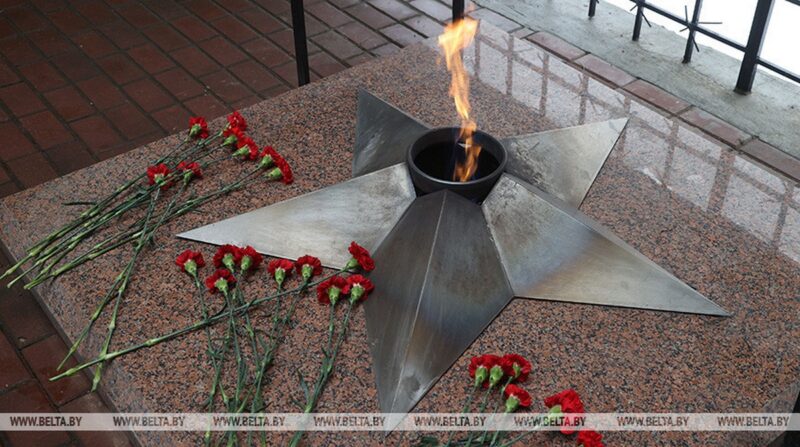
[[445, 266]]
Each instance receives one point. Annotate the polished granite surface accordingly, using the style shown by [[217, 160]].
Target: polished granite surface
[[725, 226]]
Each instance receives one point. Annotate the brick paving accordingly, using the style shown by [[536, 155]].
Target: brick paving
[[84, 80]]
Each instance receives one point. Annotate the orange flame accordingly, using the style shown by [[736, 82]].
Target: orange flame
[[453, 40]]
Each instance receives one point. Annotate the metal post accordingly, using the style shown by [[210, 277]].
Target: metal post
[[458, 10], [637, 24], [758, 30], [692, 25], [300, 46], [592, 7]]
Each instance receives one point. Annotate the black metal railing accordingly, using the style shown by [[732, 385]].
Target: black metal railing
[[752, 50]]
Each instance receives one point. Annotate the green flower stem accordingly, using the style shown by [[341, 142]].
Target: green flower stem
[[178, 152], [178, 332], [269, 354], [257, 404], [90, 217], [481, 409], [67, 245], [231, 404], [238, 299], [516, 439], [326, 369], [126, 275], [467, 404], [98, 220], [123, 277], [125, 238], [99, 249], [120, 283], [496, 408], [212, 355], [57, 234], [279, 322]]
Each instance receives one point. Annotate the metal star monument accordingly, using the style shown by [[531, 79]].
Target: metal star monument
[[445, 266]]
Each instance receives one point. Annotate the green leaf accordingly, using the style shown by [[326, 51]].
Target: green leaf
[[303, 385]]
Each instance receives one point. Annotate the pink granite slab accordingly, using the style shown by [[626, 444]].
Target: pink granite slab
[[725, 226]]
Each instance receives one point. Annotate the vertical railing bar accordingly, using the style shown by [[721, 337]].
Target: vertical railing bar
[[637, 24], [692, 25], [300, 45], [458, 10], [752, 51], [592, 7]]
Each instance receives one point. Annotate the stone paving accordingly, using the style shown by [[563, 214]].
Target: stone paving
[[84, 80]]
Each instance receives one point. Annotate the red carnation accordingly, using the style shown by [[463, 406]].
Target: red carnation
[[361, 258], [250, 259], [590, 438], [516, 397], [267, 157], [246, 148], [279, 269], [157, 175], [198, 128], [480, 366], [231, 136], [227, 256], [516, 366], [237, 121], [567, 403], [189, 261], [308, 266], [358, 287], [282, 171], [190, 170], [328, 291], [220, 281]]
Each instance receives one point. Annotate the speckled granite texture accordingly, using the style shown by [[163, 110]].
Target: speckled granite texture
[[725, 226]]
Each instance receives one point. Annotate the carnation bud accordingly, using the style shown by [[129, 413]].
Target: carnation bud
[[356, 292], [265, 162], [480, 375], [554, 414], [195, 130], [511, 404], [222, 285], [274, 174], [227, 261], [307, 271], [191, 267], [495, 375], [231, 139], [333, 294], [352, 264], [280, 275], [246, 263], [242, 151]]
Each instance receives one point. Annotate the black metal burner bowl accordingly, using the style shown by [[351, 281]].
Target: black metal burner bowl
[[433, 156]]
